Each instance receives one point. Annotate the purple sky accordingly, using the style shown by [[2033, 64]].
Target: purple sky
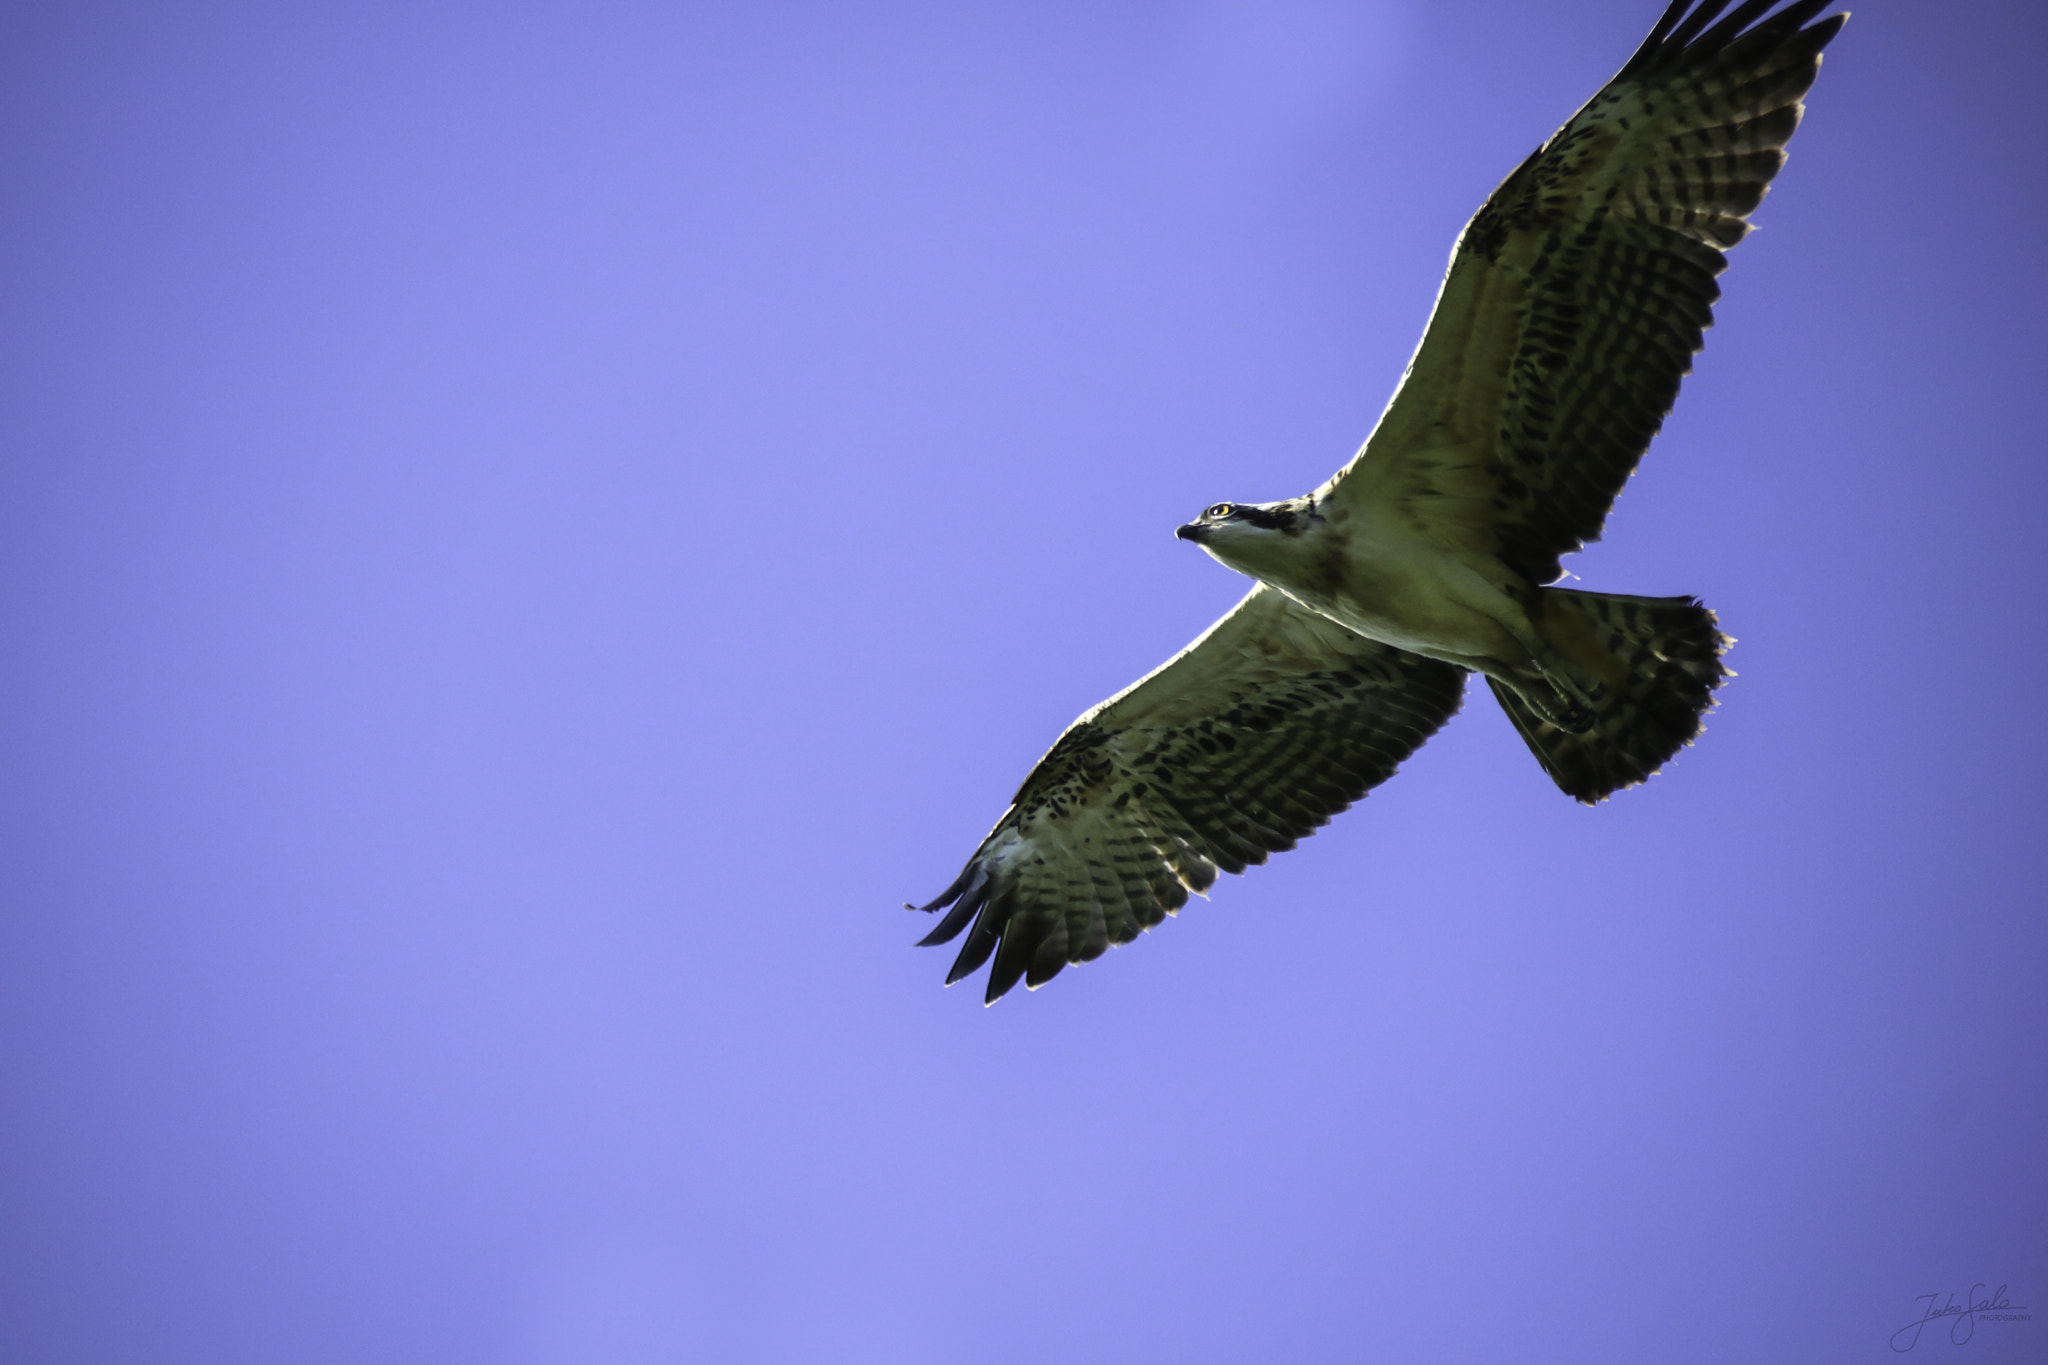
[[530, 530]]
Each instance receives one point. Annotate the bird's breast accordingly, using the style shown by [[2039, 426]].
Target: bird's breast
[[1413, 597]]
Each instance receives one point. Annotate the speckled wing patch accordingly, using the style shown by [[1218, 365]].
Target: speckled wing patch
[[1246, 742], [1580, 291]]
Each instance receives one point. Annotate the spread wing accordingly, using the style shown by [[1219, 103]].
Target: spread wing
[[1578, 293], [1248, 740]]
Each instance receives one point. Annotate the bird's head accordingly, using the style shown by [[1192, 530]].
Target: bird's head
[[1258, 538]]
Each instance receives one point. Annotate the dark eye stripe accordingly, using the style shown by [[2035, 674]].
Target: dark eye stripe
[[1266, 519]]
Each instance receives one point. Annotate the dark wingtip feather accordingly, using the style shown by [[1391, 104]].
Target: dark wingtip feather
[[1722, 34], [1648, 51], [991, 913], [945, 930], [1683, 35], [971, 892], [1680, 37], [1013, 958], [951, 893], [973, 953], [1824, 32]]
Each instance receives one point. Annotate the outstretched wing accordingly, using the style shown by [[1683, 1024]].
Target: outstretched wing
[[1248, 740], [1578, 293]]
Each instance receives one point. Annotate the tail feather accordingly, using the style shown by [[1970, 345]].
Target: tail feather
[[1649, 665]]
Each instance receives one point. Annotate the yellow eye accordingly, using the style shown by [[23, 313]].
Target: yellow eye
[[1221, 509]]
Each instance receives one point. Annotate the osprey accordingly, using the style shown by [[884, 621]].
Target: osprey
[[1574, 301]]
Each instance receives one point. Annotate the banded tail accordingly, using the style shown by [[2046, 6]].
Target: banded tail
[[1651, 665]]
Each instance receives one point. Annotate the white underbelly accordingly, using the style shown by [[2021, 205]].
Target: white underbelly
[[1429, 603]]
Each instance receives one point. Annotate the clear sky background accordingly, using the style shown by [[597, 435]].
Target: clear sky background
[[528, 531]]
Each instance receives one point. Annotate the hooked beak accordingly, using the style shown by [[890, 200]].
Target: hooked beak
[[1194, 531]]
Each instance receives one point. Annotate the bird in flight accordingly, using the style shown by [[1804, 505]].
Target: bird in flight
[[1575, 299]]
